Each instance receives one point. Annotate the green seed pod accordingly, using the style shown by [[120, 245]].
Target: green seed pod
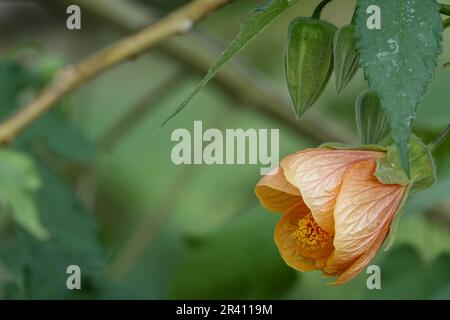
[[308, 60], [345, 56]]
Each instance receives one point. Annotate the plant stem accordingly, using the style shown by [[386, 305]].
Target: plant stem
[[438, 141], [318, 11], [445, 9]]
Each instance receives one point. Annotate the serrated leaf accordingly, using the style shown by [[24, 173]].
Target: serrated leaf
[[260, 19], [19, 182], [399, 59], [371, 120]]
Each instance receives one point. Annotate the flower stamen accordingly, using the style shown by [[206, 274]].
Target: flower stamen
[[310, 235]]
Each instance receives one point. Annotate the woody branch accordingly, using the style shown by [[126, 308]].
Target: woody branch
[[180, 21]]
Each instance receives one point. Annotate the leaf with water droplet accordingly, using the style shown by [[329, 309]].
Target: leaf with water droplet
[[399, 59]]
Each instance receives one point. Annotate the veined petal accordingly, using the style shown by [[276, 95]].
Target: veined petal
[[275, 193], [295, 254], [318, 174], [361, 263], [363, 213]]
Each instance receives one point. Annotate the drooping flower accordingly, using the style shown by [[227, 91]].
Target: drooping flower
[[336, 213]]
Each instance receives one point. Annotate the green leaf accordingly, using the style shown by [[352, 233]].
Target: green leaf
[[423, 175], [345, 56], [19, 182], [399, 59], [238, 260], [371, 120], [249, 30]]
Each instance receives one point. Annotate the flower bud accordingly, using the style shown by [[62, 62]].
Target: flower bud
[[371, 121], [308, 60], [345, 56]]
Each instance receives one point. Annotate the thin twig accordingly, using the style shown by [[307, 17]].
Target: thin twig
[[180, 21]]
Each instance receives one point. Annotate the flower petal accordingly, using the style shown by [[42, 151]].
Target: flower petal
[[290, 249], [364, 210], [275, 193], [318, 174], [361, 263]]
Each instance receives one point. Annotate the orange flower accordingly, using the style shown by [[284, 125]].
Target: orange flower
[[336, 213]]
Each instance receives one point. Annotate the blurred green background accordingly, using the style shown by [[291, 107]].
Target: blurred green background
[[141, 227]]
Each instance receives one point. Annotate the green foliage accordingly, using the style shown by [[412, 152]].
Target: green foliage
[[371, 121], [239, 260], [308, 60], [343, 146], [399, 59], [260, 19], [18, 184]]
